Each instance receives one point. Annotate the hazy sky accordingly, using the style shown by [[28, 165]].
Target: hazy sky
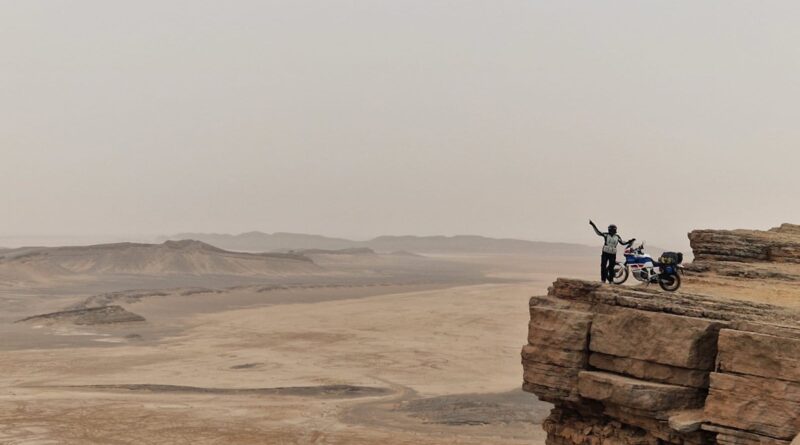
[[360, 118]]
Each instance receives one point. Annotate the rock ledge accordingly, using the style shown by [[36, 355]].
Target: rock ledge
[[634, 366]]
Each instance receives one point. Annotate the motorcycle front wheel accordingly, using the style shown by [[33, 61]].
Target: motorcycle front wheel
[[669, 283], [621, 273]]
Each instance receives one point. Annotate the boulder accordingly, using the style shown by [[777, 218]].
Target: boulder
[[687, 421]]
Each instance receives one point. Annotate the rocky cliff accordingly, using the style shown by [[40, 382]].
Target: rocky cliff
[[633, 365], [739, 252]]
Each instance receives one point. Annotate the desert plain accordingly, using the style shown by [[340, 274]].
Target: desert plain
[[185, 343]]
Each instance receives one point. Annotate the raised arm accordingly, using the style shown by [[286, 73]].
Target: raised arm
[[599, 233]]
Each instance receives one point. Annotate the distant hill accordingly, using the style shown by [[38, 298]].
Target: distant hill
[[258, 241], [265, 242], [474, 244], [186, 257]]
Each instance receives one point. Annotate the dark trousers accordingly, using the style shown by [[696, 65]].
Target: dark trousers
[[607, 263]]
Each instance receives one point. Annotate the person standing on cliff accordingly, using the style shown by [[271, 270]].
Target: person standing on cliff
[[609, 258]]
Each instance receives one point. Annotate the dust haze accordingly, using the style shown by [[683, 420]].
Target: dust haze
[[359, 119], [321, 222]]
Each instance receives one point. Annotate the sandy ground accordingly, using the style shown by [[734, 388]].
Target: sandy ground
[[777, 292], [416, 345], [419, 357], [345, 365]]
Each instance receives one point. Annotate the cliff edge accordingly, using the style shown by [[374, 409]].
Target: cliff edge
[[634, 365]]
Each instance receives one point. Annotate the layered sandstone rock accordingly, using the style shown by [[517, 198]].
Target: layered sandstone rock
[[777, 245], [627, 365], [787, 228], [556, 352], [747, 264]]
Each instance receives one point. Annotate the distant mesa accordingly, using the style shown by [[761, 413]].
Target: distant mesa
[[181, 257], [92, 316], [284, 242], [264, 242]]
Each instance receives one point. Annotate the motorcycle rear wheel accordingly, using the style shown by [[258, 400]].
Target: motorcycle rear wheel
[[669, 283], [621, 273]]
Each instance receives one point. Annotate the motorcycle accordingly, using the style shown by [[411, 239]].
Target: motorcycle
[[666, 271]]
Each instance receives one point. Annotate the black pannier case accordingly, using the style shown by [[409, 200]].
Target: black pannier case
[[671, 258]]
